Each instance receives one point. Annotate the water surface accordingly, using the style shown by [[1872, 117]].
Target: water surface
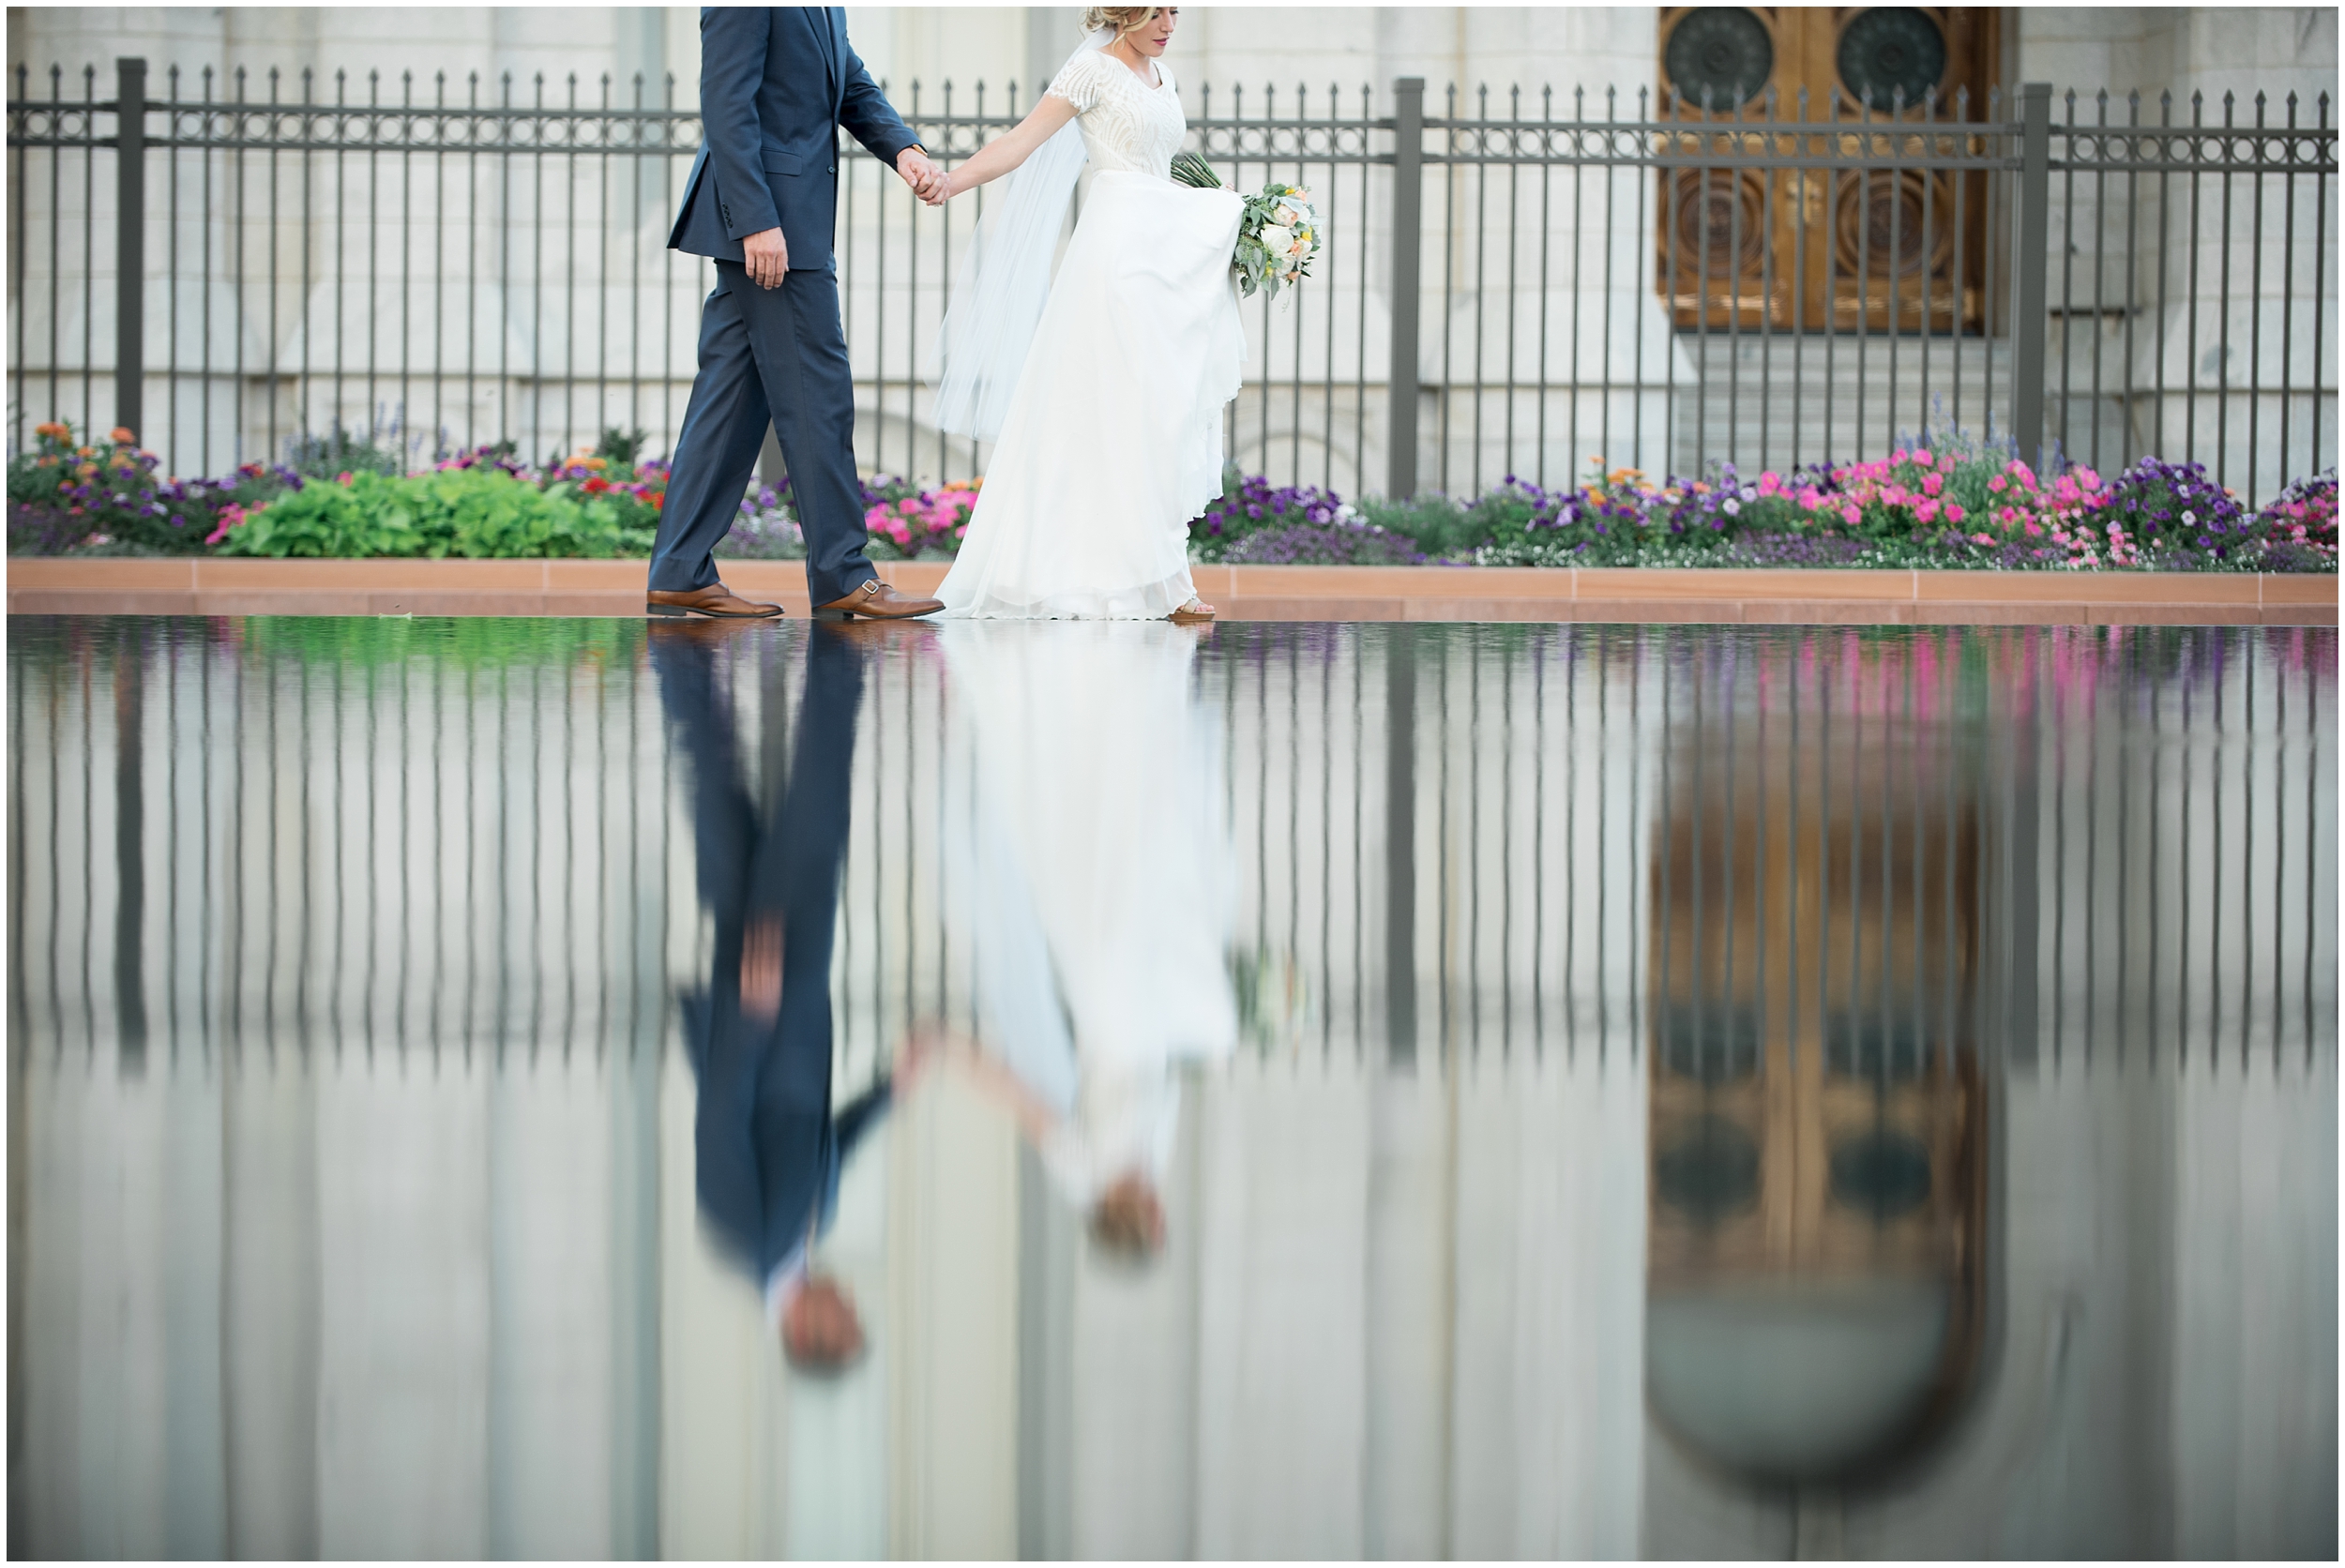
[[1604, 1091]]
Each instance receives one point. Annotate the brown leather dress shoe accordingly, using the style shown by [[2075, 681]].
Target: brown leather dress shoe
[[878, 602], [715, 599]]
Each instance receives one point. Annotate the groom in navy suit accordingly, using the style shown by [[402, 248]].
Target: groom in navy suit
[[762, 200], [768, 1150]]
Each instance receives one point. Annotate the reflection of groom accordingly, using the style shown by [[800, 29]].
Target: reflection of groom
[[768, 1150], [776, 84]]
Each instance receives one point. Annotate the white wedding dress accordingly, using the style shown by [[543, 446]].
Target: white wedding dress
[[1111, 441]]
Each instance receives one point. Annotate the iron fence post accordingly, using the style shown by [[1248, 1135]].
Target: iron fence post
[[131, 241], [2029, 269], [1408, 213]]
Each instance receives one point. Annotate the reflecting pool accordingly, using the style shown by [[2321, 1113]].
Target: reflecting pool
[[1276, 1090]]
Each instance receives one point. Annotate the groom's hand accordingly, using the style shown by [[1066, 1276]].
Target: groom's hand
[[761, 970], [921, 174], [766, 255]]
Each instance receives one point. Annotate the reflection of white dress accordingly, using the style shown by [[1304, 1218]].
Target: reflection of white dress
[[1087, 872], [1113, 440]]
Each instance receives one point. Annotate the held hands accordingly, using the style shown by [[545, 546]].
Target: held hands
[[766, 255], [923, 1048], [928, 182]]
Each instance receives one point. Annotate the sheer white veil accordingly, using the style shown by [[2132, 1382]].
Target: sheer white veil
[[1003, 280]]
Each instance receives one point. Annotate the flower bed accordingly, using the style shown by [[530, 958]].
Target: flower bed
[[1945, 502], [106, 499]]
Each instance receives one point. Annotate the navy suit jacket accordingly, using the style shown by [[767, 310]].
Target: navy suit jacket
[[776, 82]]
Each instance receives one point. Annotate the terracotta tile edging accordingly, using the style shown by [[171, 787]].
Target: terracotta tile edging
[[39, 585]]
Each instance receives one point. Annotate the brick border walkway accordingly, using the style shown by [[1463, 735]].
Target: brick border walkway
[[240, 587]]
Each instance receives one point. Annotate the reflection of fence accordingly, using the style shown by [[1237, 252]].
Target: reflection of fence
[[1777, 286], [1449, 835]]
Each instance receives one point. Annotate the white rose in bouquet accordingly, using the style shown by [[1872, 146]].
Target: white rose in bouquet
[[1277, 239]]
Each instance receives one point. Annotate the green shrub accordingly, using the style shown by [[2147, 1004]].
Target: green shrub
[[1436, 525], [620, 448], [337, 451], [482, 514]]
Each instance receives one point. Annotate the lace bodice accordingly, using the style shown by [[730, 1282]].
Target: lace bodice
[[1127, 125]]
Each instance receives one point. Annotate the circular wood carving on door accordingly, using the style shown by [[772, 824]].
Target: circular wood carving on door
[[1718, 217], [1892, 56], [1890, 223], [1718, 57]]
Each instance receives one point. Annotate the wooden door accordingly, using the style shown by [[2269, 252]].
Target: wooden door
[[1888, 247]]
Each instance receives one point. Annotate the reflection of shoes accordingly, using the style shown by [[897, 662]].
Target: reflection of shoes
[[1191, 614], [877, 601], [715, 599], [703, 633], [856, 633]]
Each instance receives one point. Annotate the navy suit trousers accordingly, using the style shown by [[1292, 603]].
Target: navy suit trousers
[[778, 356]]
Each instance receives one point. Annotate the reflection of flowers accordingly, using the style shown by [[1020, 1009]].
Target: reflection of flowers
[[1273, 1002]]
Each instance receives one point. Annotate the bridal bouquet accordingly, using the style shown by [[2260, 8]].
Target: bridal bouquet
[[1278, 236]]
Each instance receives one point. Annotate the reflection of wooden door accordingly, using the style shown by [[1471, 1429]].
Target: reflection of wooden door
[[1884, 246]]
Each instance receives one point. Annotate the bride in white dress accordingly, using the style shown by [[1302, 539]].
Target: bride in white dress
[[1103, 388]]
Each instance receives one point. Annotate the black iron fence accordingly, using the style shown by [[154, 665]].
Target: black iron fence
[[234, 259]]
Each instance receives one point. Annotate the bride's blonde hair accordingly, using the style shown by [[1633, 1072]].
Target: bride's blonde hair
[[1124, 18]]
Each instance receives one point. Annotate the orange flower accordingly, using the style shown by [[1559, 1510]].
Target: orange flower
[[121, 435], [53, 431]]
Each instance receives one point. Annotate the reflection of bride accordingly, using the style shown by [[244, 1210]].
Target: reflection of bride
[[1104, 388], [1086, 872]]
